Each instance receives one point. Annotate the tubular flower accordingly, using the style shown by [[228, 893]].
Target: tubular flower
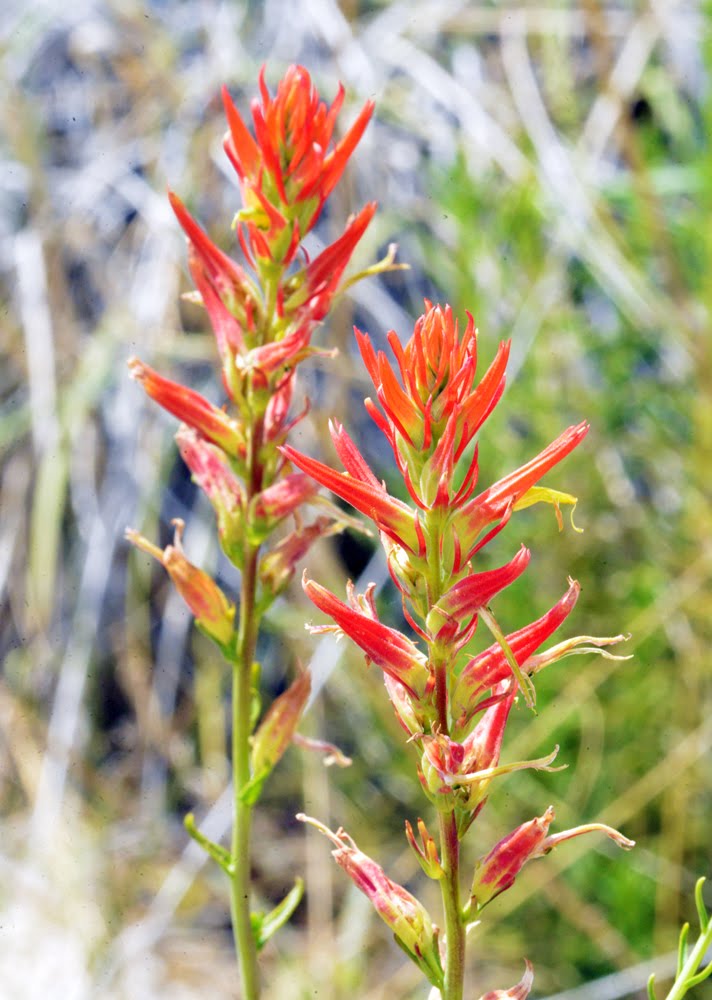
[[227, 293], [189, 406], [361, 489], [498, 501], [490, 667], [278, 501], [497, 870], [404, 914], [213, 612], [278, 565], [466, 597], [389, 649], [290, 168], [308, 293], [219, 483], [435, 410], [459, 774]]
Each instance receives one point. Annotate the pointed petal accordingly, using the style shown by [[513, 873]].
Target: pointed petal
[[189, 406], [389, 649], [519, 992], [240, 147], [493, 502], [467, 596], [336, 161], [490, 667], [388, 513]]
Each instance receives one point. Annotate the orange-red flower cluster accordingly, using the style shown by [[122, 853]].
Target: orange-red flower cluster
[[263, 313], [431, 408]]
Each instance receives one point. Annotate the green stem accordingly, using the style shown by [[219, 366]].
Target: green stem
[[454, 925], [245, 945], [449, 840]]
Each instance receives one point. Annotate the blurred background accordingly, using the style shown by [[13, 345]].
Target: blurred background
[[543, 165]]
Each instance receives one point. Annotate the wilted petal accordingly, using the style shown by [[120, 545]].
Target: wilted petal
[[518, 992], [401, 911]]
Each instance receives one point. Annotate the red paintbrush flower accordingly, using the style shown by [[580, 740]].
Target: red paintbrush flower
[[402, 912], [519, 992], [309, 293], [214, 613], [214, 476], [497, 870], [291, 167], [498, 501], [220, 281], [490, 667], [454, 616]]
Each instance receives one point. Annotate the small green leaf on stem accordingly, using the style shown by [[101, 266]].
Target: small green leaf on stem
[[702, 913], [651, 988], [682, 948], [217, 853], [264, 926]]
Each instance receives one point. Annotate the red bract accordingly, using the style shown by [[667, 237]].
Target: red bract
[[281, 499], [466, 597], [309, 293], [498, 501], [289, 169], [190, 407], [362, 490], [213, 611], [389, 649], [519, 992], [404, 914], [497, 870], [434, 411]]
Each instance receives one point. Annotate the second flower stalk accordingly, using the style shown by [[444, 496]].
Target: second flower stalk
[[453, 706]]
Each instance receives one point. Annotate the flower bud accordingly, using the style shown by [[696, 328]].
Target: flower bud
[[213, 612], [275, 732], [497, 871], [404, 914]]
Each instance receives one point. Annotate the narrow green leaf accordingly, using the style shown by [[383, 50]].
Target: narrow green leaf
[[264, 927], [682, 948], [651, 988], [700, 977], [217, 853], [700, 904], [524, 683]]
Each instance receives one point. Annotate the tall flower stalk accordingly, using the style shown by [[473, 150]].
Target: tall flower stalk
[[263, 312], [453, 706]]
